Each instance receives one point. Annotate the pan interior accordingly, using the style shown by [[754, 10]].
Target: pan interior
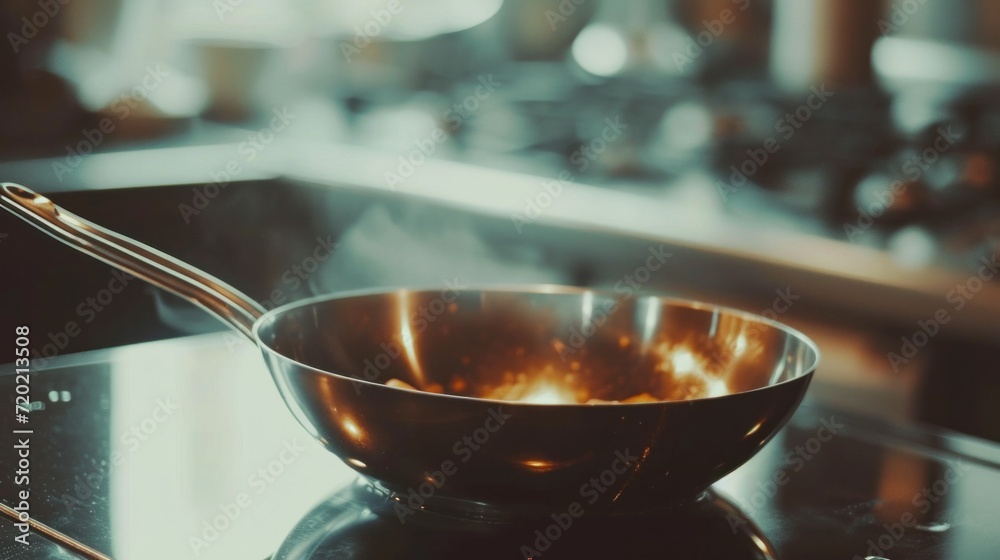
[[543, 347]]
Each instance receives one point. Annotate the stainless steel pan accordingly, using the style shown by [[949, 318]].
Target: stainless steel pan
[[515, 437]]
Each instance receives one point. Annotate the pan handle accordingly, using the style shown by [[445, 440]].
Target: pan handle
[[142, 261]]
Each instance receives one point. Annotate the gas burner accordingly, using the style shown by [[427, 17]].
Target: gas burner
[[359, 522]]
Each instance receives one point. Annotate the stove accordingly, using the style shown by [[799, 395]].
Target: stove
[[182, 448]]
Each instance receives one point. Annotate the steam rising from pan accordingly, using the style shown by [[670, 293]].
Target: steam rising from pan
[[425, 247]]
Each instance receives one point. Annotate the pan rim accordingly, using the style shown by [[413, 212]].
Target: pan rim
[[806, 375]]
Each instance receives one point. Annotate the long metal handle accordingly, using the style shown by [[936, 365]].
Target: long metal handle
[[142, 261]]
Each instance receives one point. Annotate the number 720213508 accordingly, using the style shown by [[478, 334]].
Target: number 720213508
[[22, 363]]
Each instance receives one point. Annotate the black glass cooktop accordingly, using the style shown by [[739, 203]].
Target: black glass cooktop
[[183, 449]]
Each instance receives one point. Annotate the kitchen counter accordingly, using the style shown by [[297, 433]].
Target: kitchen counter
[[136, 450], [855, 281]]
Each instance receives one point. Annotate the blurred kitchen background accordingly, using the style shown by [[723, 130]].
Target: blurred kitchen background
[[831, 163]]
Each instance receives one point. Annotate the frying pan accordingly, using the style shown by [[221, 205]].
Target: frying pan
[[514, 437]]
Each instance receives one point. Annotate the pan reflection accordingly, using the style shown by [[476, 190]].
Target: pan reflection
[[358, 522]]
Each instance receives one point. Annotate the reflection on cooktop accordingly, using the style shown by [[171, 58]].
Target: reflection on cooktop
[[358, 523]]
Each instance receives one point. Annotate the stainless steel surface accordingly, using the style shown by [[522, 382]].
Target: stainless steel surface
[[724, 382]]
